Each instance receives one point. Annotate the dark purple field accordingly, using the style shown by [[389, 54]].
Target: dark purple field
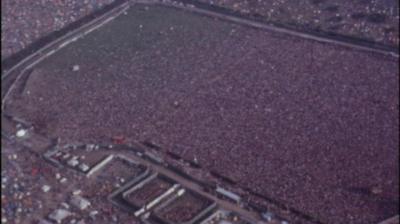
[[24, 21]]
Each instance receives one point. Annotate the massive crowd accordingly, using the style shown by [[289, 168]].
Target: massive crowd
[[24, 21]]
